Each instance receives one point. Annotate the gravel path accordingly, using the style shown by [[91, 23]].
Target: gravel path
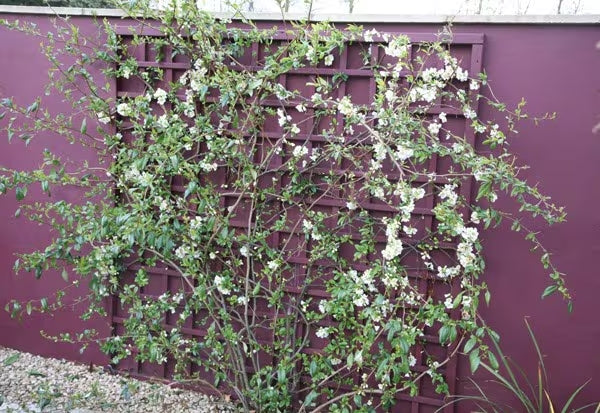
[[31, 383]]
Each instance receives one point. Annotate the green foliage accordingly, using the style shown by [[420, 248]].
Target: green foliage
[[189, 177], [533, 396], [10, 360]]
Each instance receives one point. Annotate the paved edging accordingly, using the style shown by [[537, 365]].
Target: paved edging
[[342, 18]]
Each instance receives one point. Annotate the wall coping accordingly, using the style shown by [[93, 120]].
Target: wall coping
[[341, 18]]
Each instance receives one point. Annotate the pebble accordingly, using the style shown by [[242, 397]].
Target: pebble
[[34, 384]]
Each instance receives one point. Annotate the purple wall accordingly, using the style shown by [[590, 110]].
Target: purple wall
[[23, 74], [555, 67]]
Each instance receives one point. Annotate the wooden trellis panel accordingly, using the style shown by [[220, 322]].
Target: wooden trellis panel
[[360, 85]]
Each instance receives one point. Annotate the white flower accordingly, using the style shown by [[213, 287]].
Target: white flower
[[299, 150], [457, 148], [429, 74], [242, 300], [307, 225], [469, 113], [345, 106], [164, 205], [283, 118], [323, 306], [161, 96], [328, 60], [392, 249], [449, 301], [474, 85], [411, 360], [390, 95], [322, 332], [126, 72], [351, 205], [475, 219], [181, 252], [316, 98], [378, 192], [442, 117], [369, 34], [103, 118], [464, 253], [219, 281], [273, 265], [417, 193], [301, 108], [163, 121], [448, 272], [461, 74], [245, 251], [469, 234], [196, 223], [397, 48], [295, 129], [124, 109], [145, 179], [189, 111], [208, 167], [358, 357], [447, 193], [410, 231], [426, 92], [361, 299], [434, 128], [380, 151]]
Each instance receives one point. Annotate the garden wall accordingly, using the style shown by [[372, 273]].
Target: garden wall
[[554, 67]]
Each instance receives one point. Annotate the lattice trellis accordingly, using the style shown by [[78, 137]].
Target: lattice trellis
[[360, 85]]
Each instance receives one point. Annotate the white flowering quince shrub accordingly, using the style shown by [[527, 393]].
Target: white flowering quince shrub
[[261, 199]]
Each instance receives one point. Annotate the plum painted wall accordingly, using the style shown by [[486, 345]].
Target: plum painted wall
[[555, 67]]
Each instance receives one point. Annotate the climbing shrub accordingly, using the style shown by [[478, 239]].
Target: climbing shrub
[[187, 178]]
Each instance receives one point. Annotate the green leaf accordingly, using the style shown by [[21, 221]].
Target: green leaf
[[36, 373], [83, 128], [493, 361], [20, 192], [28, 308], [26, 137], [309, 399], [470, 344], [549, 290], [33, 107], [447, 334], [312, 369], [65, 275], [11, 359], [174, 161], [474, 360], [190, 189], [44, 185]]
